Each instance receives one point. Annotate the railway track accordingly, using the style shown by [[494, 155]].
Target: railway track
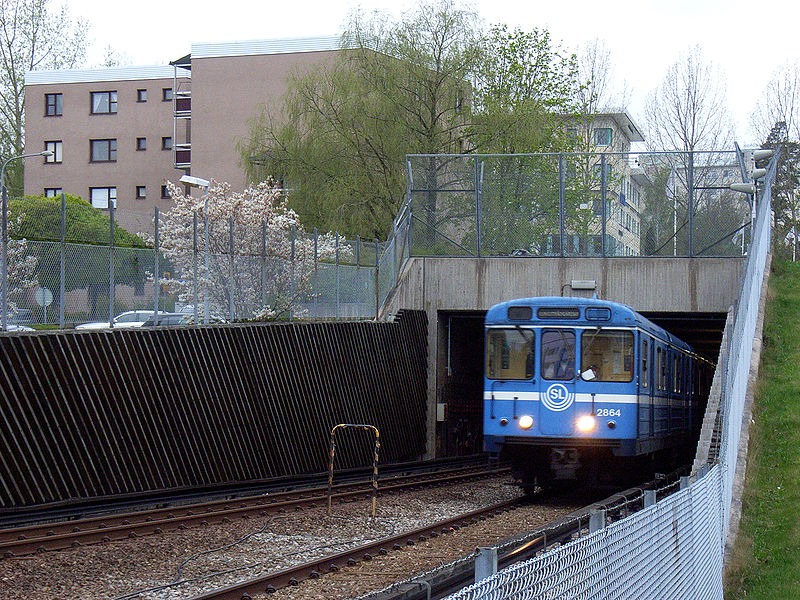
[[38, 538]]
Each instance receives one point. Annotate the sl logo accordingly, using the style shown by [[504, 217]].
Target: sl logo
[[557, 397]]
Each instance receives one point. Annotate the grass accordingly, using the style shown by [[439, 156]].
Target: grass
[[766, 560]]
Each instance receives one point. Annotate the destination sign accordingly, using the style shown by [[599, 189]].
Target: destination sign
[[546, 312]]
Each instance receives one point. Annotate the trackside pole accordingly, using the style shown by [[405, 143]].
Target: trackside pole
[[374, 460]]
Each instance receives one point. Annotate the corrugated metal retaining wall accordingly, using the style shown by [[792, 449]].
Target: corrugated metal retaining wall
[[92, 414]]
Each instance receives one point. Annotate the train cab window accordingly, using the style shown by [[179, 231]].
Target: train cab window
[[558, 354], [510, 353], [608, 353], [645, 358]]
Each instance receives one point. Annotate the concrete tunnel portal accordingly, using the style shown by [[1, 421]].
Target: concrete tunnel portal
[[459, 369]]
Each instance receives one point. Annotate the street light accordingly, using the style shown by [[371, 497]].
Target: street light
[[4, 253], [204, 184]]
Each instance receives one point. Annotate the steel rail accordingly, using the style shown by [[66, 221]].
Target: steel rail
[[291, 576], [56, 536]]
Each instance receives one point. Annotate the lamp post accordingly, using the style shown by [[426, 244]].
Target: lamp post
[[204, 184], [4, 252]]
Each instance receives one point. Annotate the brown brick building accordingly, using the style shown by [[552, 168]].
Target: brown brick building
[[119, 134]]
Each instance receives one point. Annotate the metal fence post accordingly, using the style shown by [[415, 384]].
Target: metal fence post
[[597, 520], [263, 264], [603, 200], [561, 194], [316, 273], [291, 274], [649, 498], [111, 262], [410, 195], [477, 210], [62, 261], [377, 279], [156, 282], [206, 307], [358, 274], [337, 275], [232, 311], [691, 203], [485, 563], [4, 260], [194, 264]]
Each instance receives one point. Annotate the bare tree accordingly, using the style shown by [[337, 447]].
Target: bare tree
[[689, 110], [779, 103], [596, 75], [33, 36]]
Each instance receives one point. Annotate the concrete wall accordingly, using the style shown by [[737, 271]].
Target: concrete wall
[[435, 284]]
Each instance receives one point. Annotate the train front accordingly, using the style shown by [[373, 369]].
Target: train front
[[560, 395]]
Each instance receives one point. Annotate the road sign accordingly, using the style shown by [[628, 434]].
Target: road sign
[[44, 297]]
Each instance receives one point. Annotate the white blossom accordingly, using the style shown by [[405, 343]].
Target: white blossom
[[263, 229]]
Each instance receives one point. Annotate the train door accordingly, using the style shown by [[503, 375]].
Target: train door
[[645, 393], [557, 381]]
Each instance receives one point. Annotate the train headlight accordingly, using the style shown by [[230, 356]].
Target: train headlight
[[586, 423], [526, 421]]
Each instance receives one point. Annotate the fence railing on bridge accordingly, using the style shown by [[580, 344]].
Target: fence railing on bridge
[[574, 204]]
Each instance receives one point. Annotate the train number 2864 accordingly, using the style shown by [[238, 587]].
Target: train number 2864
[[609, 412]]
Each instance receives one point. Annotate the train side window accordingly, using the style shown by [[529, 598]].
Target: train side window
[[510, 353], [676, 386], [558, 354], [645, 356], [661, 366]]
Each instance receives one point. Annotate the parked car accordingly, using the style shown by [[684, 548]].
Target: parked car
[[166, 319], [12, 327], [131, 318]]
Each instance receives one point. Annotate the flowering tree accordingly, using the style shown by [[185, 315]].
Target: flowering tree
[[20, 266], [270, 264]]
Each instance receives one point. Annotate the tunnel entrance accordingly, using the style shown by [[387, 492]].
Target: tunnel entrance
[[459, 376]]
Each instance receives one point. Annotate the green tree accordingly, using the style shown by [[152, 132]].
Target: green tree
[[38, 220], [340, 144], [33, 36], [785, 196]]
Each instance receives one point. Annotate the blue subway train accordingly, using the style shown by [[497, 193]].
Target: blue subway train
[[582, 389]]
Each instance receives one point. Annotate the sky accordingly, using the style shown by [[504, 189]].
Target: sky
[[746, 41]]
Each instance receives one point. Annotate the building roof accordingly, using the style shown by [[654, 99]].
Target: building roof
[[107, 74], [626, 124], [255, 47]]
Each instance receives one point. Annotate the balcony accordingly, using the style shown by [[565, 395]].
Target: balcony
[[183, 156], [183, 105]]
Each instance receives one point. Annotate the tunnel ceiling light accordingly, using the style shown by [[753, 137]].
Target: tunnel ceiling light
[[583, 284]]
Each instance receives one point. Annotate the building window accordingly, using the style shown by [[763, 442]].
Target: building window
[[166, 94], [603, 136], [141, 95], [164, 191], [166, 143], [141, 143], [53, 105], [52, 192], [141, 192], [103, 150], [55, 148], [104, 103], [101, 196]]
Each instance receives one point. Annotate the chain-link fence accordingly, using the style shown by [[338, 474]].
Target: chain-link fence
[[673, 548], [60, 271], [578, 204]]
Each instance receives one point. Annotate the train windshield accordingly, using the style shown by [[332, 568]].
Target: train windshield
[[609, 354], [509, 353], [558, 354]]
